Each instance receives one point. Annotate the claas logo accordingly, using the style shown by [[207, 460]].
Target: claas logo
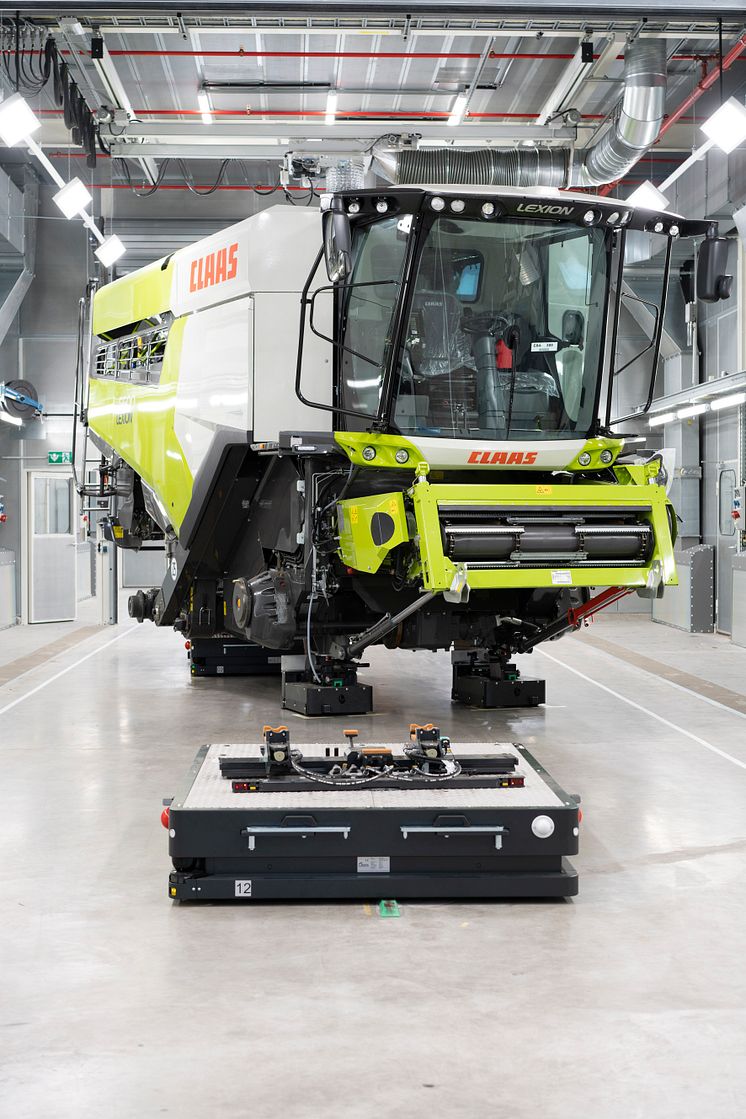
[[503, 458], [214, 268]]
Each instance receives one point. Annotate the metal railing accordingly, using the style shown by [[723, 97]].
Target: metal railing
[[137, 357]]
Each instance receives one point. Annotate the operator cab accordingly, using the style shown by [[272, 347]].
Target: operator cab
[[494, 345], [477, 313]]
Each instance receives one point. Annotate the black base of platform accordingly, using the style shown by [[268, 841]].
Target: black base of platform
[[482, 691], [215, 656], [325, 699], [561, 883]]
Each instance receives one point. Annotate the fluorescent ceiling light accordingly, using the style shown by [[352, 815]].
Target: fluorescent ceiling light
[[110, 250], [691, 410], [17, 121], [648, 197], [73, 198], [331, 108], [727, 125], [664, 418], [8, 419], [731, 401], [204, 107], [458, 109]]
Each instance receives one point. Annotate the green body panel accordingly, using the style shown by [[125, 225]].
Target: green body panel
[[357, 547], [594, 447], [386, 446], [438, 572], [131, 299], [137, 420]]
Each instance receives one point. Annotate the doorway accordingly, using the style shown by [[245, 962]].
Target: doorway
[[51, 547]]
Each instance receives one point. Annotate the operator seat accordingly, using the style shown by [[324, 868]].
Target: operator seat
[[442, 346]]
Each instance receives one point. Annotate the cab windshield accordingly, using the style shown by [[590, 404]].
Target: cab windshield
[[504, 333]]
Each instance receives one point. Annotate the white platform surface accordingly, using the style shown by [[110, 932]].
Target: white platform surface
[[211, 790]]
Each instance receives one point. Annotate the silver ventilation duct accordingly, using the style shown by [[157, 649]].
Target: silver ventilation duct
[[637, 122], [634, 129], [521, 167]]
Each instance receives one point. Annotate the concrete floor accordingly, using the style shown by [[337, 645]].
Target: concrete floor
[[629, 1001]]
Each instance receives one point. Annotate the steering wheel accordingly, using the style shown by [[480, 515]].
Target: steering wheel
[[496, 325]]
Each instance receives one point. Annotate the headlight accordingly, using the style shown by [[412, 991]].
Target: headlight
[[402, 455], [584, 458], [369, 453], [606, 456]]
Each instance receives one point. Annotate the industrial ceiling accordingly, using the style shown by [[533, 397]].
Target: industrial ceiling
[[218, 95]]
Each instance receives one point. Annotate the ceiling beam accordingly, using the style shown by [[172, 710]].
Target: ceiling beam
[[250, 131]]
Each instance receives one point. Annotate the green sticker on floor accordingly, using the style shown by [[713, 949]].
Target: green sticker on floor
[[388, 909]]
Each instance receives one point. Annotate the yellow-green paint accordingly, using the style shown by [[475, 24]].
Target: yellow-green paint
[[354, 442], [131, 299], [437, 572], [137, 420], [356, 544], [594, 447]]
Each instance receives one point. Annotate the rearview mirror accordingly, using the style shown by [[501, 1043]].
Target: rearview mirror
[[337, 242], [713, 283], [573, 328]]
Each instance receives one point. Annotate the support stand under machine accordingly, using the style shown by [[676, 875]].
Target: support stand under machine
[[425, 818], [332, 688]]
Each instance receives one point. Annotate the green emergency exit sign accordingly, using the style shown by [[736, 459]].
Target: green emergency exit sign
[[55, 458]]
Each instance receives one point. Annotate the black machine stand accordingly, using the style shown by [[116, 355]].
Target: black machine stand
[[331, 687], [327, 688], [229, 656], [482, 680]]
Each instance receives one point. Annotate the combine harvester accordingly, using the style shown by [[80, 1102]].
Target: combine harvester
[[416, 449]]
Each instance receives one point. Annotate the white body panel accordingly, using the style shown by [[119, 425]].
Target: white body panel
[[276, 407], [271, 251], [550, 454], [240, 290], [215, 376]]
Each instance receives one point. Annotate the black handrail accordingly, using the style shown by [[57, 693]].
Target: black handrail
[[305, 302], [656, 342]]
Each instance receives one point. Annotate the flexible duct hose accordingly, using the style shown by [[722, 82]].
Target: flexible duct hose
[[520, 167], [634, 128], [638, 120]]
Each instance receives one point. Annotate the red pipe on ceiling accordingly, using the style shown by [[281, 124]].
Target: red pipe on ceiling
[[297, 54], [735, 53], [706, 83], [351, 114], [514, 56]]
